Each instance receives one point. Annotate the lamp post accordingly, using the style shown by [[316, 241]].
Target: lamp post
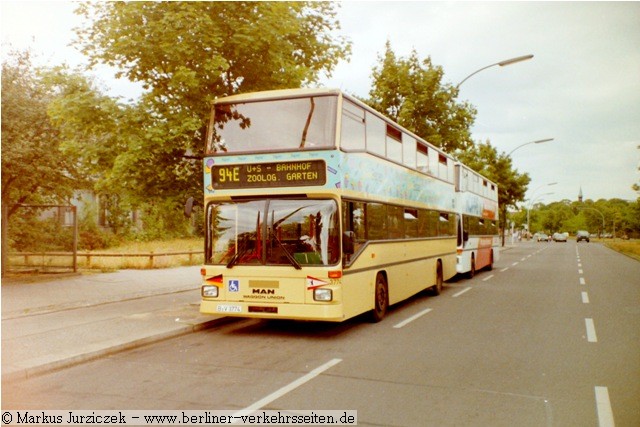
[[531, 205], [501, 64], [531, 198], [601, 214], [539, 141]]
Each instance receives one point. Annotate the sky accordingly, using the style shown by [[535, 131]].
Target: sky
[[581, 88]]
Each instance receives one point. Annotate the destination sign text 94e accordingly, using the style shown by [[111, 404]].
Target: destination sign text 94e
[[276, 174]]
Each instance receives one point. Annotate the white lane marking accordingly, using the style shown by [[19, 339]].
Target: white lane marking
[[603, 404], [580, 265], [585, 298], [457, 294], [523, 259], [591, 330], [504, 269], [582, 282], [529, 256], [412, 318], [580, 271], [514, 264], [286, 389], [487, 278]]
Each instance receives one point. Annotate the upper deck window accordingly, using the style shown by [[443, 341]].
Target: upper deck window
[[353, 126], [274, 125]]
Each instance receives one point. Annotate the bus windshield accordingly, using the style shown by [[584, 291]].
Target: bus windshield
[[294, 232], [274, 125]]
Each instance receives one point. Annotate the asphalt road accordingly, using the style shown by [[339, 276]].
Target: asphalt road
[[550, 337]]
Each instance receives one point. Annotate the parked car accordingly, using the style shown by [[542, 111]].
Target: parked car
[[582, 235], [542, 237], [559, 237]]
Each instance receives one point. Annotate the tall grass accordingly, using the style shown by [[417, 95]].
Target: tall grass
[[630, 248], [126, 261], [156, 247]]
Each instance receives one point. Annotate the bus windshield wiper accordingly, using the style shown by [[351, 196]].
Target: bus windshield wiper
[[290, 257], [234, 260]]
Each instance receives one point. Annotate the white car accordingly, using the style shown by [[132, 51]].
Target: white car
[[559, 237]]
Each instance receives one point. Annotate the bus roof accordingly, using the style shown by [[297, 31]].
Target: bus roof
[[305, 92], [277, 94]]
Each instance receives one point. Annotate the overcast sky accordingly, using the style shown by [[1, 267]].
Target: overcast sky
[[582, 87]]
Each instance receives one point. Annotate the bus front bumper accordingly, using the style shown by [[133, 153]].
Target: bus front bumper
[[325, 312]]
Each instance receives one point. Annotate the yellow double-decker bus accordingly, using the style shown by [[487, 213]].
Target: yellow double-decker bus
[[317, 207]]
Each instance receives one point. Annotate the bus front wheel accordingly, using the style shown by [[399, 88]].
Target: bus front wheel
[[381, 299]]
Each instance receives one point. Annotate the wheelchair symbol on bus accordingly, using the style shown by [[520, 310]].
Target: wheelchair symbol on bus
[[234, 285]]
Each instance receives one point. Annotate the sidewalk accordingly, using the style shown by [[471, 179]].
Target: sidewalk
[[52, 324]]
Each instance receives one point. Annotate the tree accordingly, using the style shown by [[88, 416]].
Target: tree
[[411, 93], [187, 54], [34, 170]]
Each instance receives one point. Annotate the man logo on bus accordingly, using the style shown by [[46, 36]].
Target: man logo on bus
[[234, 285]]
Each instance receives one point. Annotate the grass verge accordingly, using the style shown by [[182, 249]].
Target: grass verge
[[630, 248]]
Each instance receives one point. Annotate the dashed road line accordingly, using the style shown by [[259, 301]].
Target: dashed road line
[[582, 282], [412, 318], [504, 269], [603, 405], [457, 294], [286, 389], [585, 298], [591, 330], [487, 278]]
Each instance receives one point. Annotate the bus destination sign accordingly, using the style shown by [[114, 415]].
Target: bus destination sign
[[276, 174]]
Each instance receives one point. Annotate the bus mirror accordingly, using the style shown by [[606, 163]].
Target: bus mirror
[[348, 240], [188, 207]]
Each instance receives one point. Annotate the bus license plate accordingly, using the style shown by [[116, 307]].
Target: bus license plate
[[229, 309]]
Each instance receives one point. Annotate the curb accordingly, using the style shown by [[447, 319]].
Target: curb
[[27, 373]]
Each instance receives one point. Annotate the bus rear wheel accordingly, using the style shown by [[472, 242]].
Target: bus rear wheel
[[472, 272], [381, 299], [437, 288]]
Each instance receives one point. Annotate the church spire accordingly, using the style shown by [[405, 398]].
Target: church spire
[[580, 195]]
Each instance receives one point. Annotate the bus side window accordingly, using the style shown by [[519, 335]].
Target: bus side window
[[353, 224], [352, 135], [411, 224], [376, 219], [395, 219]]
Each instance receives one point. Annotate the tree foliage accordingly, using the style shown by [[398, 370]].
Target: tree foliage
[[411, 92], [186, 54], [604, 217], [34, 171]]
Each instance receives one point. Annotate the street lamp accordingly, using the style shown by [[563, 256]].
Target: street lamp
[[531, 205], [540, 141], [531, 198], [501, 64], [601, 214], [543, 185]]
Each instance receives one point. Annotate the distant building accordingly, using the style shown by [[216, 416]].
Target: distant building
[[580, 195]]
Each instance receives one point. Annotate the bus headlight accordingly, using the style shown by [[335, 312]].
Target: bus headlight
[[209, 291], [320, 294]]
